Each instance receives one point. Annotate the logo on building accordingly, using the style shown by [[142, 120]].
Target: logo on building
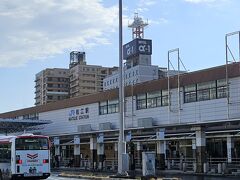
[[78, 114]]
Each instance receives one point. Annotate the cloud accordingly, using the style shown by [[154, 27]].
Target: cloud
[[38, 29], [207, 2], [159, 21], [143, 5]]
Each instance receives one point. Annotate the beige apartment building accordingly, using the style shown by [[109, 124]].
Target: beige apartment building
[[85, 79], [51, 85]]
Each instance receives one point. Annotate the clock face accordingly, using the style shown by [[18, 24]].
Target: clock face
[[136, 47]]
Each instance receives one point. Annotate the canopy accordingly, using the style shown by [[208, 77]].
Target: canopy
[[20, 125]]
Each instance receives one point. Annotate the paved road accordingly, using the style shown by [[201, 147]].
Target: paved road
[[185, 177]]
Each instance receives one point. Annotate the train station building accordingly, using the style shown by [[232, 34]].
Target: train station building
[[195, 115]]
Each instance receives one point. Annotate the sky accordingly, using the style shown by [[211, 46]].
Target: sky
[[40, 34]]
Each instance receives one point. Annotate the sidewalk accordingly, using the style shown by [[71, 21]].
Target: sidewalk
[[86, 174]]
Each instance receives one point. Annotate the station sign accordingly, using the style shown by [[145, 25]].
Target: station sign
[[136, 47], [78, 114]]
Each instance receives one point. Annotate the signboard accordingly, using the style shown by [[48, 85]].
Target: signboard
[[56, 141], [129, 136], [100, 138], [78, 114], [160, 135], [76, 140], [137, 46]]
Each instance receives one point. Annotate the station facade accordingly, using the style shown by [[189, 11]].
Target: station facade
[[197, 118]]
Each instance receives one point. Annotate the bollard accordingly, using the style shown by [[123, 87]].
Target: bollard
[[184, 167], [100, 166], [168, 165], [224, 167], [205, 168], [113, 168], [181, 165], [219, 168], [194, 167]]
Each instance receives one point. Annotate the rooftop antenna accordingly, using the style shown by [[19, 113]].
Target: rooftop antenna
[[138, 27]]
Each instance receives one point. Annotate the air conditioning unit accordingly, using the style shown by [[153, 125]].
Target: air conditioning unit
[[145, 122], [84, 128], [105, 126]]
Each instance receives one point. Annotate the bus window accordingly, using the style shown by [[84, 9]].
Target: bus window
[[5, 153], [32, 144]]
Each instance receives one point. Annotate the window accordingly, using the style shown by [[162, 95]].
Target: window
[[103, 108], [141, 101], [221, 88], [190, 94], [108, 107], [32, 143], [112, 106], [5, 153], [206, 91], [154, 99], [164, 98]]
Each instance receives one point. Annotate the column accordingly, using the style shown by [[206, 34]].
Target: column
[[194, 148], [56, 142], [93, 152], [161, 149], [200, 148], [139, 153], [76, 151], [230, 146], [100, 153], [115, 157]]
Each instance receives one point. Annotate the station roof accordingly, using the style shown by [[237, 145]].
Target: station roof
[[17, 125]]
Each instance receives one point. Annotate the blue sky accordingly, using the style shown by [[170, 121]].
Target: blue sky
[[40, 34]]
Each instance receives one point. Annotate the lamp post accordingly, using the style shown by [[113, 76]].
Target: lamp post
[[121, 146]]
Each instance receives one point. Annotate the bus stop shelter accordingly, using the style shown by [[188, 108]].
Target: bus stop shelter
[[21, 125]]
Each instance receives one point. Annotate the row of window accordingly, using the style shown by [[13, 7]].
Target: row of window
[[205, 91], [108, 107], [127, 75], [192, 93], [152, 99]]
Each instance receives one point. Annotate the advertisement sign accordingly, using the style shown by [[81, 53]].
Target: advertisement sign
[[137, 46]]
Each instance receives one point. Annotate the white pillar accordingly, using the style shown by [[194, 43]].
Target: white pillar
[[230, 145], [93, 152]]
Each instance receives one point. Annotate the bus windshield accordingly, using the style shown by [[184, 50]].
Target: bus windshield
[[5, 153], [32, 143]]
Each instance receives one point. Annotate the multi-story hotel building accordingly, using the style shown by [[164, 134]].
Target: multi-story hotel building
[[51, 85], [197, 116]]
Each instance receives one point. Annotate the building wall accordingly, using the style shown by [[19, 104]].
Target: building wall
[[133, 75], [51, 85], [87, 79], [200, 111]]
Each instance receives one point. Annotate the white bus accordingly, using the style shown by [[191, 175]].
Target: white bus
[[25, 157]]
